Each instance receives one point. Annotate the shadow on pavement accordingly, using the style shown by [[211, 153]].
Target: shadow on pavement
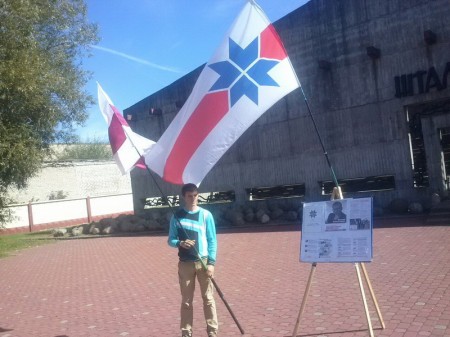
[[5, 330], [334, 332]]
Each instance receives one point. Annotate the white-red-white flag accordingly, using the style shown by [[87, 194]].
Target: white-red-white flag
[[126, 145], [249, 73]]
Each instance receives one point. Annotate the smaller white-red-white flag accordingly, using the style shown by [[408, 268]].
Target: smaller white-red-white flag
[[127, 146]]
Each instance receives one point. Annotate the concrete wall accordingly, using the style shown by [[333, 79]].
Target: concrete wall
[[353, 99], [76, 180], [60, 213]]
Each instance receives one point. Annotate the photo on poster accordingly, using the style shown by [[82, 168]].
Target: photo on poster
[[337, 215]]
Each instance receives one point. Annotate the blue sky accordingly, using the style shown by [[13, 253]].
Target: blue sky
[[147, 44]]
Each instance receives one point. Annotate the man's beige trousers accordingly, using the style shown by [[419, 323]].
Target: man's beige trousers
[[187, 271]]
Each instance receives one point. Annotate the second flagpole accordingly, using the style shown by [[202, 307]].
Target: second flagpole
[[333, 175]]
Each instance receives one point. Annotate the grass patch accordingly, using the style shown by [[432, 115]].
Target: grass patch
[[10, 244]]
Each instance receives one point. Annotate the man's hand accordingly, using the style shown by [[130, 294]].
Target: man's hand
[[210, 271], [187, 244]]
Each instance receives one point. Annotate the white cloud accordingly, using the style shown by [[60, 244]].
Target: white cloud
[[138, 60]]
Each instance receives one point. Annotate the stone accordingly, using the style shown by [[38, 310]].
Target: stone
[[415, 208], [86, 228], [435, 199], [95, 231], [221, 222], [122, 217], [105, 222], [139, 227], [163, 223], [228, 214], [399, 206], [237, 219], [235, 216], [291, 216], [217, 214], [58, 232], [77, 231], [249, 216], [168, 216], [152, 224], [260, 213], [152, 215], [264, 219], [134, 218], [108, 230], [276, 213]]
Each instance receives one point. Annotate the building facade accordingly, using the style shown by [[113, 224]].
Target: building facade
[[375, 74]]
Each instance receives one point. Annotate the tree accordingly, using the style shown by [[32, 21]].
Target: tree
[[42, 96]]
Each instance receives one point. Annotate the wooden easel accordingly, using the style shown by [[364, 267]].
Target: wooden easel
[[337, 194]]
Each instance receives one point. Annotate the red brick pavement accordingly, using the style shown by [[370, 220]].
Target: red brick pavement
[[127, 286]]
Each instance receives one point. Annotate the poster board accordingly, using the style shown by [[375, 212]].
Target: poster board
[[337, 231]]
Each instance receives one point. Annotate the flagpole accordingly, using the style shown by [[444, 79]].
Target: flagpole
[[320, 140], [216, 286]]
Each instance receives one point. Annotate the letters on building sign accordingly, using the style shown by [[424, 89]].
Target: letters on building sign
[[421, 82]]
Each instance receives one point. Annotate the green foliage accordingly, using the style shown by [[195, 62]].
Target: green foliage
[[42, 44], [5, 214], [57, 195], [92, 150]]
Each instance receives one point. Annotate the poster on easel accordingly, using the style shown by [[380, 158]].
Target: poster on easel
[[337, 231]]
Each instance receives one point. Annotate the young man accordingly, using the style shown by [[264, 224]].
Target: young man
[[193, 232]]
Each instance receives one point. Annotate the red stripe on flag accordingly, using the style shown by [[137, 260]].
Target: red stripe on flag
[[271, 45], [141, 163], [119, 115], [115, 132], [205, 117]]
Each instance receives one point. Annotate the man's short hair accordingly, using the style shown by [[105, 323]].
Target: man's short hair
[[188, 188]]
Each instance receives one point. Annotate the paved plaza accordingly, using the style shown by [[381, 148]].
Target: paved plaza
[[127, 286]]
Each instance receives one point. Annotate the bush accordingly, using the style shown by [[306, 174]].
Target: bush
[[57, 195], [91, 150]]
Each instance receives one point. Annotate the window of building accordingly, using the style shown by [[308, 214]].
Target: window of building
[[417, 150], [282, 191], [414, 115], [355, 185], [445, 147], [203, 198]]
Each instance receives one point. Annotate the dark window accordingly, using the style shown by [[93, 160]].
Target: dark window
[[415, 114], [354, 185], [216, 197], [203, 198], [282, 191], [445, 144], [162, 201], [418, 155]]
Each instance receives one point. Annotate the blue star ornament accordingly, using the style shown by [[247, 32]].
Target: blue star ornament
[[243, 72]]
